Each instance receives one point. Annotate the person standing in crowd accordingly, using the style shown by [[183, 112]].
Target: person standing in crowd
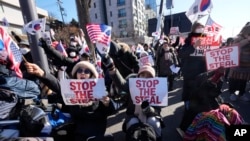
[[228, 43], [125, 61], [239, 76], [149, 50], [166, 57], [91, 118], [193, 60], [134, 112]]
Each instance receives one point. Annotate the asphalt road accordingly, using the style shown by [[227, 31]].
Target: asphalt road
[[172, 114]]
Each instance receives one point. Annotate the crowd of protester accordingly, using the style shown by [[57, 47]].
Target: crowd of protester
[[201, 89]]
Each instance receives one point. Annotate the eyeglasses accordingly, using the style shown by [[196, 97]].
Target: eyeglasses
[[86, 71]]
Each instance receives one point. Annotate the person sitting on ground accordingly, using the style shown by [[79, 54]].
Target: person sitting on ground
[[134, 113], [91, 118]]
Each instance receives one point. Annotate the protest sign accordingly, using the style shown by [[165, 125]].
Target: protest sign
[[154, 90], [226, 57], [174, 30], [79, 92], [146, 60]]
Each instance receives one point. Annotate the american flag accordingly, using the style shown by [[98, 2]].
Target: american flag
[[213, 28], [14, 54], [61, 49], [99, 33]]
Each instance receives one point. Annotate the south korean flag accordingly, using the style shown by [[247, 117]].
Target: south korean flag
[[35, 26]]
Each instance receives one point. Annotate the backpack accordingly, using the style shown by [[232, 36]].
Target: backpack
[[140, 132]]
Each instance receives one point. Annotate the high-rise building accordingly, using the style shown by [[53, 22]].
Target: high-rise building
[[127, 17], [151, 4]]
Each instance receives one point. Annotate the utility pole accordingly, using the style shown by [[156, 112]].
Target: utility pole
[[61, 9], [29, 14], [159, 24]]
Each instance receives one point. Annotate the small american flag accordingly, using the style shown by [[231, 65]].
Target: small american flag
[[99, 33], [14, 54], [61, 49]]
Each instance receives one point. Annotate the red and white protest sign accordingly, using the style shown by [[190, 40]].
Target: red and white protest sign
[[146, 60], [174, 31], [79, 92], [152, 89], [226, 57]]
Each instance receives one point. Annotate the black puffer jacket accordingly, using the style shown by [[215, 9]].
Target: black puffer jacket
[[125, 61]]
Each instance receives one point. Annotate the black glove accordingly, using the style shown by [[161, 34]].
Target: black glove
[[147, 109], [43, 44], [108, 62]]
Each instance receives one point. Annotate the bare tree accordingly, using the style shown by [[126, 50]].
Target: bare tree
[[83, 16]]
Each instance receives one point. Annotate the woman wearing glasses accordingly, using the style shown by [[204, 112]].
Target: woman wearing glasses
[[91, 118]]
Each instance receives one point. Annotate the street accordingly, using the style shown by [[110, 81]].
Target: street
[[172, 114]]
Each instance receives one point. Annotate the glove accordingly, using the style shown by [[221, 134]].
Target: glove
[[108, 62], [147, 109], [43, 44]]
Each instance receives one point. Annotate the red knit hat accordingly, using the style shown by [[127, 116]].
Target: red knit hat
[[147, 68]]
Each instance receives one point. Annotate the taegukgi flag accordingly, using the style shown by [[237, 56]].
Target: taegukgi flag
[[35, 26], [199, 9]]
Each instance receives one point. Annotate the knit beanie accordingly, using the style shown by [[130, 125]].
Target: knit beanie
[[85, 64], [147, 68]]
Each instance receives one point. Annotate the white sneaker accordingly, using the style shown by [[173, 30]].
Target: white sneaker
[[244, 98], [233, 97]]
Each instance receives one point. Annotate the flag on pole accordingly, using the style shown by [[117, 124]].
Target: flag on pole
[[14, 54], [5, 22], [169, 4], [35, 26], [199, 9], [61, 49], [213, 28], [99, 33]]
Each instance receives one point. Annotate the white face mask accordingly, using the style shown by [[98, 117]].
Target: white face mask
[[199, 30], [24, 50], [72, 54]]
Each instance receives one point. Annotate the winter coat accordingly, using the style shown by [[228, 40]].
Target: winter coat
[[90, 121], [165, 59], [192, 64]]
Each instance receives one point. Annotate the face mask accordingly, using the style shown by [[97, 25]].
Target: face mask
[[73, 43], [24, 50], [72, 54], [199, 30]]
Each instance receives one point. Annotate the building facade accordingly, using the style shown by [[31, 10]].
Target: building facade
[[10, 9], [126, 17]]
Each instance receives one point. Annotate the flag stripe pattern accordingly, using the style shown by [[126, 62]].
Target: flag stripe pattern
[[14, 54], [61, 49], [99, 33]]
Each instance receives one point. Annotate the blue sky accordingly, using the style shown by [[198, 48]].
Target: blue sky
[[231, 14]]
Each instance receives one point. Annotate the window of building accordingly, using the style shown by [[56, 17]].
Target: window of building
[[96, 16], [123, 23], [109, 2], [111, 24], [94, 5], [110, 13], [120, 2], [122, 12]]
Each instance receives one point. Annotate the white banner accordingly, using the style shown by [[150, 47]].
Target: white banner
[[78, 92], [226, 57], [155, 90]]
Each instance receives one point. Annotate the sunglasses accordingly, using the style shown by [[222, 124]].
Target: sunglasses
[[86, 71]]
